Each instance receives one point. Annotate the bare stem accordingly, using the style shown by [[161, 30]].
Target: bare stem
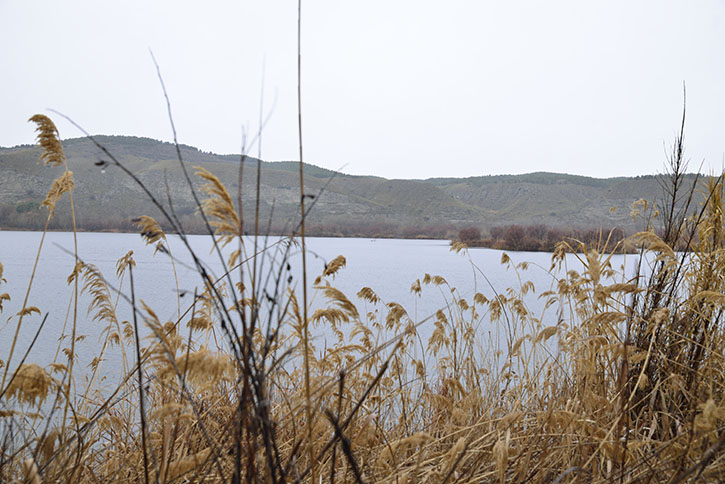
[[308, 409]]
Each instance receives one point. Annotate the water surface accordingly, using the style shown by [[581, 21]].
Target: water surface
[[388, 266]]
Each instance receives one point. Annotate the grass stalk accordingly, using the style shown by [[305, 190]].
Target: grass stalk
[[139, 368], [303, 214]]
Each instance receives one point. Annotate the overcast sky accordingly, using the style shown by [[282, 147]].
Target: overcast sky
[[400, 89]]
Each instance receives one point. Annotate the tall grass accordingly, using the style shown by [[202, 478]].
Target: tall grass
[[619, 380]]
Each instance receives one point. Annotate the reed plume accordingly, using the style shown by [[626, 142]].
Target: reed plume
[[219, 207], [48, 139]]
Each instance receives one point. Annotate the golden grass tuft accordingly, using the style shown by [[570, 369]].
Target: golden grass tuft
[[187, 464], [219, 207], [63, 184], [151, 231], [30, 383], [30, 469], [53, 154], [334, 265]]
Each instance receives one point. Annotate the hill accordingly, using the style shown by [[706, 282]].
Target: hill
[[107, 199]]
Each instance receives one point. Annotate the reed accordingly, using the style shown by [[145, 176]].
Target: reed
[[619, 379]]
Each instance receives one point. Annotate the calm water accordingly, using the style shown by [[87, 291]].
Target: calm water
[[388, 266]]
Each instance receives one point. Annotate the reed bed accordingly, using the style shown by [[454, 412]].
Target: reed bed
[[620, 379]]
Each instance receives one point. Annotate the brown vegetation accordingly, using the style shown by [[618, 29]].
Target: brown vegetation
[[619, 380], [537, 238]]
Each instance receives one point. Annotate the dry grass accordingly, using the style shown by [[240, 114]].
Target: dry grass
[[619, 380]]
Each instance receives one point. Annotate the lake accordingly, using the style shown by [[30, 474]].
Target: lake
[[388, 266]]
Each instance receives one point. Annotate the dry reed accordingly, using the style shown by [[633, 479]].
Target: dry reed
[[620, 379]]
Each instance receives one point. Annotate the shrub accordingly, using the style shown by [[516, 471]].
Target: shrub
[[470, 234], [27, 206]]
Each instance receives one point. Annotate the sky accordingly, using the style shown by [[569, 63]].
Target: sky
[[393, 88]]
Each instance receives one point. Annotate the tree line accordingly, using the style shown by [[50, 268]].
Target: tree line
[[537, 238]]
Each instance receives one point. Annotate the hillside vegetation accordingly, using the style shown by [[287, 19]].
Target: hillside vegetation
[[345, 204]]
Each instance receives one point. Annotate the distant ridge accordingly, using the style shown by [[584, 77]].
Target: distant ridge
[[349, 205]]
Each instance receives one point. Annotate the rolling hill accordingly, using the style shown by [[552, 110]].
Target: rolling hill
[[107, 199]]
